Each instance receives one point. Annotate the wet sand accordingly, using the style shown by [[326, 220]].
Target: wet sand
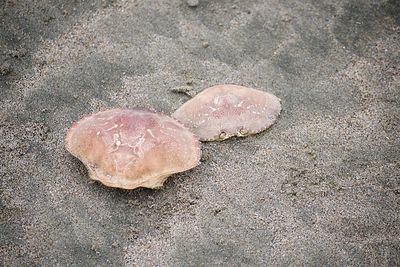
[[321, 187]]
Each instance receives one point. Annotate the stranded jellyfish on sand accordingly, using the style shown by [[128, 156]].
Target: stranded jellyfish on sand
[[222, 111], [132, 148]]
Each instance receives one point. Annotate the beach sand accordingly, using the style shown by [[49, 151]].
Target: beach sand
[[321, 187]]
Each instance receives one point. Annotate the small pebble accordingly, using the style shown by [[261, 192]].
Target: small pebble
[[186, 90], [5, 68], [192, 3], [205, 44], [17, 53]]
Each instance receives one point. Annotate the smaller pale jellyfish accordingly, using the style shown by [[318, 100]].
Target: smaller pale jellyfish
[[222, 111], [132, 148]]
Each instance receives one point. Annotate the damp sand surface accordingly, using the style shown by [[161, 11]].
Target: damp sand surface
[[320, 187]]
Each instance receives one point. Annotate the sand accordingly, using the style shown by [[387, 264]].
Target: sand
[[319, 188]]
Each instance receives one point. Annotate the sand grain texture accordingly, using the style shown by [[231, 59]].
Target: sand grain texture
[[321, 187]]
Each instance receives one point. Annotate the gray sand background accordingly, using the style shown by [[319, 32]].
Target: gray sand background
[[319, 188]]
